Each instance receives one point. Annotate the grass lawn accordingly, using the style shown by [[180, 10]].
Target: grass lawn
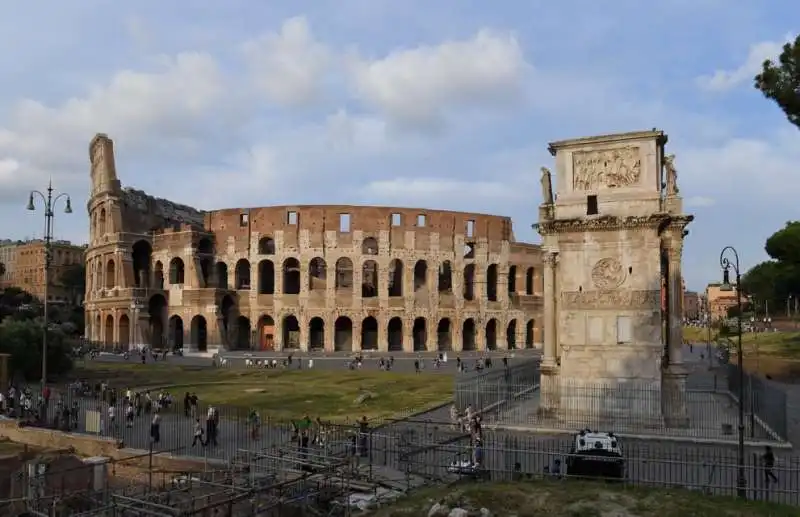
[[286, 394], [580, 499]]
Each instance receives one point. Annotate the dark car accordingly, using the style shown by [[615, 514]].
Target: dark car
[[596, 455]]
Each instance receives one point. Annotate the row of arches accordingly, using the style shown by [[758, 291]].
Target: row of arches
[[237, 332], [317, 279]]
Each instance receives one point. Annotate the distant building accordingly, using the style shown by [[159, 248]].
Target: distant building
[[24, 262], [691, 305], [719, 301]]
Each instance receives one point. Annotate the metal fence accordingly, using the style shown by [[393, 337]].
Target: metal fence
[[511, 398], [763, 401], [496, 387]]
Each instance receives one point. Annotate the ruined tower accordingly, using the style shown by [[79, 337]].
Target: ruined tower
[[612, 231]]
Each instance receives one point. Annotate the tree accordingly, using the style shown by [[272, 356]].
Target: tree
[[73, 278], [780, 81], [22, 339]]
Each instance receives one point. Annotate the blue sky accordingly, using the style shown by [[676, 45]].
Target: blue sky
[[446, 104]]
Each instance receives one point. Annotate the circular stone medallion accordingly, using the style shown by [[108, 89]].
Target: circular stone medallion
[[608, 274]]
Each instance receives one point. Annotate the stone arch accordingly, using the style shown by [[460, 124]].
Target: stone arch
[[266, 277], [491, 282], [469, 282], [198, 333], [511, 335], [158, 276], [205, 246], [177, 272], [444, 335], [111, 274], [108, 332], [242, 275], [242, 333], [369, 246], [369, 333], [157, 311], [344, 273], [317, 274], [369, 279], [102, 223], [468, 335], [530, 331], [395, 277], [343, 334], [419, 333], [512, 280], [266, 246], [124, 331], [222, 275], [291, 332], [445, 277], [98, 328], [175, 332], [316, 333], [394, 334], [142, 255], [266, 333], [491, 334], [529, 276], [291, 276], [420, 275], [227, 308], [205, 252]]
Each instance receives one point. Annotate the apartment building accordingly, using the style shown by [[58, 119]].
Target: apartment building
[[25, 261]]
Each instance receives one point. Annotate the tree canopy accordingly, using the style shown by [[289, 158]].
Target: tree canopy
[[774, 280], [780, 81]]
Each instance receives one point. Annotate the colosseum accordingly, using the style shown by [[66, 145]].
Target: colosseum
[[332, 278]]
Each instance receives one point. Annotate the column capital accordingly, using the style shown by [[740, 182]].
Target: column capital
[[549, 258]]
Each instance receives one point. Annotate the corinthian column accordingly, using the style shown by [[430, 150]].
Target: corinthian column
[[550, 315], [673, 382], [675, 301]]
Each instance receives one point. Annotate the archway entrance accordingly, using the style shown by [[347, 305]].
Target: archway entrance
[[266, 333], [511, 335], [420, 333], [109, 331], [369, 333], [468, 335], [124, 332], [395, 335], [444, 338], [343, 334], [242, 333], [157, 310], [316, 334], [199, 333], [491, 334], [227, 309], [291, 332], [175, 333]]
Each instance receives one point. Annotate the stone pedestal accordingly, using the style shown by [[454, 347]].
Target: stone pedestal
[[673, 396], [550, 401]]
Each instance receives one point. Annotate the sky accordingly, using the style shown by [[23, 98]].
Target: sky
[[446, 104]]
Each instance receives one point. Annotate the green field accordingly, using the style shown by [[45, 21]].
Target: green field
[[570, 498], [285, 394]]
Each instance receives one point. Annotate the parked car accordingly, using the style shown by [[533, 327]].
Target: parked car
[[596, 455]]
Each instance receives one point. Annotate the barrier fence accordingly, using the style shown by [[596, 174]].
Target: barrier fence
[[762, 400]]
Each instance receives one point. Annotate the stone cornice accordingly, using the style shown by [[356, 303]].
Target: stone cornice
[[612, 223]]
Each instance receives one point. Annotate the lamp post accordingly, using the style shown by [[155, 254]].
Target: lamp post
[[49, 203], [726, 265]]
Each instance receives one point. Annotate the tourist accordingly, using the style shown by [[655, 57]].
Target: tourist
[[129, 414], [455, 418], [155, 428], [769, 464], [112, 415], [187, 403], [416, 365], [198, 433], [255, 424], [310, 363]]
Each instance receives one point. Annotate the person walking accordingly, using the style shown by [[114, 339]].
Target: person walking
[[155, 428], [198, 433], [769, 464]]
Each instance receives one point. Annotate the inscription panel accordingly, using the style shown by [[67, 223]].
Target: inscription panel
[[610, 168], [602, 300]]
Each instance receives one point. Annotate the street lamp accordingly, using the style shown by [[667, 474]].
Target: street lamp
[[726, 265], [49, 202]]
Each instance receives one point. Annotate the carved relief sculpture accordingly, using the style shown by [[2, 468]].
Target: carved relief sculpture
[[626, 300], [612, 168], [672, 175], [608, 274], [547, 186]]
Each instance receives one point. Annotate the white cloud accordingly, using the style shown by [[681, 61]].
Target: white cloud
[[435, 191], [415, 88], [363, 134], [140, 109], [290, 65], [723, 80]]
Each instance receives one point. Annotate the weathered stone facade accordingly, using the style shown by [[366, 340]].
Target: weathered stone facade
[[303, 277], [612, 240]]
